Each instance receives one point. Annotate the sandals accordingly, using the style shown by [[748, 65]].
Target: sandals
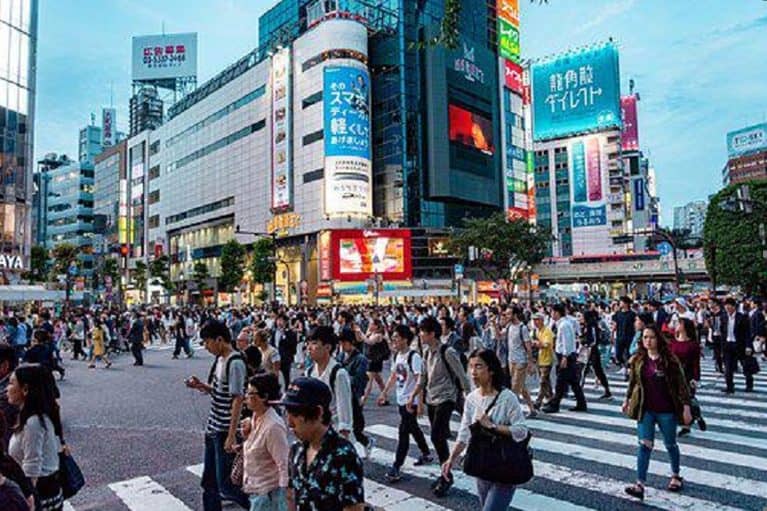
[[675, 484], [636, 491]]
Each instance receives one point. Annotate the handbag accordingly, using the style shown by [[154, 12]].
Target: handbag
[[497, 458], [378, 351], [238, 468], [70, 476], [750, 365], [695, 410]]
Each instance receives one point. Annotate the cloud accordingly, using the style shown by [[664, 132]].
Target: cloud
[[612, 10]]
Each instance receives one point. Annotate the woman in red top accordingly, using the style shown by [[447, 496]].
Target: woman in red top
[[686, 347]]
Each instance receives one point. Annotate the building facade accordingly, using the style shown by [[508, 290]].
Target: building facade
[[691, 217], [747, 155], [110, 174], [90, 143], [18, 56]]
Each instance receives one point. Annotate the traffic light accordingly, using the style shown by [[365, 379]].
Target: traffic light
[[124, 250]]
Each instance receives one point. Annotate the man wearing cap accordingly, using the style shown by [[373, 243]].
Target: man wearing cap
[[325, 470]]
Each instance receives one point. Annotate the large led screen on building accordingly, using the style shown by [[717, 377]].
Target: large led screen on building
[[346, 131], [282, 174], [587, 182], [576, 92], [470, 129], [165, 56], [360, 254], [630, 131], [747, 140]]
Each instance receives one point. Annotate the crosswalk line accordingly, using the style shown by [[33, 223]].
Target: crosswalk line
[[196, 469], [143, 493], [392, 499], [721, 399], [68, 506], [577, 478]]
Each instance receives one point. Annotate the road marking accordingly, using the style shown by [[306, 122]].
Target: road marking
[[196, 469], [707, 398], [68, 506], [392, 499], [145, 494]]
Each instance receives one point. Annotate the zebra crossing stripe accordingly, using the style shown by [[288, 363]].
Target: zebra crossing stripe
[[143, 493], [68, 506], [566, 475], [392, 499], [707, 398]]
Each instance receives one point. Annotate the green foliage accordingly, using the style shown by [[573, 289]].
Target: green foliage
[[733, 249], [38, 265], [200, 274], [159, 270], [63, 255], [232, 265], [140, 276], [112, 269], [261, 266], [500, 242]]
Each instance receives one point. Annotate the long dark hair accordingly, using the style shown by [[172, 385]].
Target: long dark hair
[[663, 348], [689, 329], [40, 399], [493, 365]]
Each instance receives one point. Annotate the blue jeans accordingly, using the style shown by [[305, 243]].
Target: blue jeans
[[646, 432], [494, 496], [216, 482], [275, 500]]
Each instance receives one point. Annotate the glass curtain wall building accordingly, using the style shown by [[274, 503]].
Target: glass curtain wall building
[[18, 41]]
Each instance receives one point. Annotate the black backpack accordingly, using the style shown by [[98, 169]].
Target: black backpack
[[235, 356]]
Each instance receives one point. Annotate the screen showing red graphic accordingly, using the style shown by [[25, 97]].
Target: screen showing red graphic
[[470, 129]]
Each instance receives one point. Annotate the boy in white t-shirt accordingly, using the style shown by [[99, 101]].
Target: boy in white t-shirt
[[406, 371]]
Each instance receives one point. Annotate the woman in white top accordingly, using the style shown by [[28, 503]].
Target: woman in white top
[[35, 443], [506, 418]]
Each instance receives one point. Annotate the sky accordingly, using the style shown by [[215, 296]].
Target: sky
[[698, 66]]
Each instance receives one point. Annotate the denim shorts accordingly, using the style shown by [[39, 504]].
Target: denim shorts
[[275, 500]]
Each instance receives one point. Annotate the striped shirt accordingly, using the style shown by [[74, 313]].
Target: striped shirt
[[224, 389]]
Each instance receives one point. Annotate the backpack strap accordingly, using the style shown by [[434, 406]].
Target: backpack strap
[[212, 372], [333, 374], [442, 351], [410, 356]]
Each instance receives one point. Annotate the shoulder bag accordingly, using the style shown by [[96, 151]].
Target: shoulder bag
[[70, 476], [496, 457]]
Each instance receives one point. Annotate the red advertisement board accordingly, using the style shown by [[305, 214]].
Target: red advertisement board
[[471, 129], [526, 95], [630, 132], [326, 271], [359, 254], [517, 213], [513, 77]]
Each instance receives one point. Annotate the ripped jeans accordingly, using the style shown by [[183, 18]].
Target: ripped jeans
[[667, 423]]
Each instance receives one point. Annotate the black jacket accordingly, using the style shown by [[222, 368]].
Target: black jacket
[[742, 331], [288, 345], [758, 325]]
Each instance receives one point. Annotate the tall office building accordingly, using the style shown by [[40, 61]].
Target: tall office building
[[90, 143], [18, 56], [146, 110], [691, 217]]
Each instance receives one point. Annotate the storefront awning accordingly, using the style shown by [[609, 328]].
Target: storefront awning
[[22, 293], [417, 293]]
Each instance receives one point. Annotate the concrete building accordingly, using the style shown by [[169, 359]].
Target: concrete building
[[90, 143], [747, 155], [110, 174], [146, 110], [691, 217], [18, 60]]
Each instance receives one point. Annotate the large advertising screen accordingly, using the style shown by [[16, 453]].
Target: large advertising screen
[[470, 129], [576, 92], [747, 140], [165, 56], [587, 183], [360, 254], [346, 131], [281, 164], [630, 131]]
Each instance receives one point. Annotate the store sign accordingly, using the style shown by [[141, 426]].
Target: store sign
[[283, 222], [281, 122], [346, 130], [508, 41], [630, 132], [586, 182], [639, 198], [438, 247], [508, 10], [466, 65], [108, 128], [516, 213], [325, 262], [751, 139], [513, 76], [11, 262], [165, 56]]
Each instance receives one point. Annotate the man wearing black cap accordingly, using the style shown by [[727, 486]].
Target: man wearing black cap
[[325, 469]]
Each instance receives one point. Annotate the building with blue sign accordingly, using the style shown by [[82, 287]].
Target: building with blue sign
[[747, 155]]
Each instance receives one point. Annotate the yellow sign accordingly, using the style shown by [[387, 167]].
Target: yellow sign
[[283, 222]]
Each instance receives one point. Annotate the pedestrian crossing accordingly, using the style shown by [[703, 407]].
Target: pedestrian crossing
[[582, 462]]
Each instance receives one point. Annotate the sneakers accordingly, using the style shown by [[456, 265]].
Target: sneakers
[[369, 447], [683, 432], [393, 474], [423, 459], [442, 486], [702, 424], [605, 396]]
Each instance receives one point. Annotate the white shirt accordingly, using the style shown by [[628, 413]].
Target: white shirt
[[565, 344], [506, 412], [731, 328], [407, 379], [341, 404]]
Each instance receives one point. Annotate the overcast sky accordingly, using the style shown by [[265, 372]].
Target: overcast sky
[[699, 66]]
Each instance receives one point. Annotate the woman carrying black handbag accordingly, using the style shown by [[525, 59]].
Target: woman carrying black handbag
[[493, 428]]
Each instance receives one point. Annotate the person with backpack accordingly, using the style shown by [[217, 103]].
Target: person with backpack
[[445, 384], [322, 342], [226, 387], [356, 365], [406, 371]]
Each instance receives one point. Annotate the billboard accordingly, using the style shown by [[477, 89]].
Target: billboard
[[630, 131], [746, 140], [576, 92], [587, 183], [513, 77], [508, 10], [346, 131], [359, 254], [281, 155], [508, 41], [163, 57], [639, 198], [108, 127], [470, 129]]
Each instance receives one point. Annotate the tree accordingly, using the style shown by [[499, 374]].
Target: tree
[[64, 258], [159, 271], [501, 243], [200, 274], [110, 268], [38, 264], [140, 277], [733, 248], [232, 265], [262, 265]]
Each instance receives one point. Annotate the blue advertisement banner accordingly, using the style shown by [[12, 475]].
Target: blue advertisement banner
[[576, 92], [517, 152], [639, 194], [586, 216], [747, 140], [346, 98], [579, 172]]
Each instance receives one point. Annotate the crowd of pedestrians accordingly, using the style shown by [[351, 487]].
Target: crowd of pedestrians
[[310, 373]]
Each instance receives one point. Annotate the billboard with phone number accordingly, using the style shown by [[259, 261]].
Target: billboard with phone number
[[358, 254]]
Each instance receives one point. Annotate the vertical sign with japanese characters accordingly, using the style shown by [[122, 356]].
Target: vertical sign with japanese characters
[[108, 128], [576, 92], [281, 158], [346, 111], [586, 182], [630, 132]]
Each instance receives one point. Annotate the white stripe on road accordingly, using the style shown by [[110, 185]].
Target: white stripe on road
[[577, 478], [68, 506], [392, 499], [196, 469], [144, 494]]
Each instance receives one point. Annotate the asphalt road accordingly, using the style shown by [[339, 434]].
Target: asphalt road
[[137, 433]]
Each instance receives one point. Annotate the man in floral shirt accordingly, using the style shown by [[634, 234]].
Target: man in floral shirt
[[325, 469]]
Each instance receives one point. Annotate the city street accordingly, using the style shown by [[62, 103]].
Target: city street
[[137, 434]]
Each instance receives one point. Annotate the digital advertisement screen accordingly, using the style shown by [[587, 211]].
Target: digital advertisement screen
[[470, 129], [359, 254]]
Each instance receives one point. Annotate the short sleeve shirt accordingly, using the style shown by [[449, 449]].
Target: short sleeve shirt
[[333, 480], [407, 375]]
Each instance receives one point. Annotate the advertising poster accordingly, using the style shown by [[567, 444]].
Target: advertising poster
[[470, 129], [747, 140], [164, 56], [588, 208], [593, 167], [509, 11], [578, 166], [360, 254], [576, 92], [513, 77], [639, 199], [346, 109], [326, 269], [508, 41], [630, 131], [108, 128], [281, 171]]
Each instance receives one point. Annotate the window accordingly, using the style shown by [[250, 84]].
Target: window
[[154, 221], [313, 137], [215, 146], [311, 100], [200, 210], [154, 147], [314, 175], [333, 54], [154, 196], [154, 172]]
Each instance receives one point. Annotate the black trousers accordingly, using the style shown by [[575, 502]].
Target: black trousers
[[622, 350], [439, 420], [138, 356], [568, 377], [408, 425], [286, 365], [716, 341], [595, 362], [731, 358], [182, 343], [77, 349], [358, 421]]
